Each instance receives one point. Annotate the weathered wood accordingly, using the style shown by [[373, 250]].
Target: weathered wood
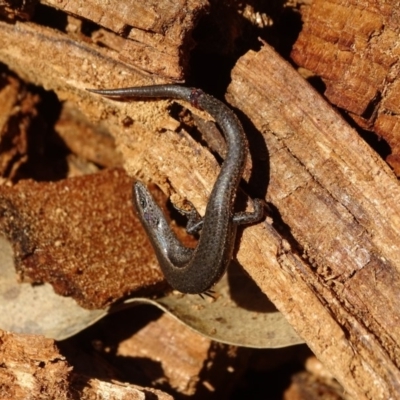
[[342, 205], [20, 44], [314, 384], [33, 368], [156, 37], [157, 33], [353, 47]]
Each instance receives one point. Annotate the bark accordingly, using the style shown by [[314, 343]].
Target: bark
[[157, 33], [32, 367], [353, 47], [341, 203], [190, 363]]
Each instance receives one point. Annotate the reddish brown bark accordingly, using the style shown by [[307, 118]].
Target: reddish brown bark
[[353, 47]]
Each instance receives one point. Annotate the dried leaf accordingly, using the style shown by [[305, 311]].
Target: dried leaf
[[239, 313]]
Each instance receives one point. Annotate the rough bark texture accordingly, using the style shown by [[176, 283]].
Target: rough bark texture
[[157, 33], [342, 204], [33, 368], [31, 365], [190, 363], [353, 47]]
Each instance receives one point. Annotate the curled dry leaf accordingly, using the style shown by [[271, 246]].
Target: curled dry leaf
[[240, 314]]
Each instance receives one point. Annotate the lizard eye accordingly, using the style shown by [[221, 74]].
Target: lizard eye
[[142, 202]]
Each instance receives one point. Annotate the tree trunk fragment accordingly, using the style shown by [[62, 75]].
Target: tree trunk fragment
[[353, 47]]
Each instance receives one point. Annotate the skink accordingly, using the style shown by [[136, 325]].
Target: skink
[[196, 270]]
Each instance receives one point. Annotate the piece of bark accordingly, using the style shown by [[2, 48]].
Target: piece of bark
[[33, 368], [87, 65], [154, 41], [352, 46], [89, 389], [314, 383], [81, 235], [76, 64], [342, 205], [180, 352]]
